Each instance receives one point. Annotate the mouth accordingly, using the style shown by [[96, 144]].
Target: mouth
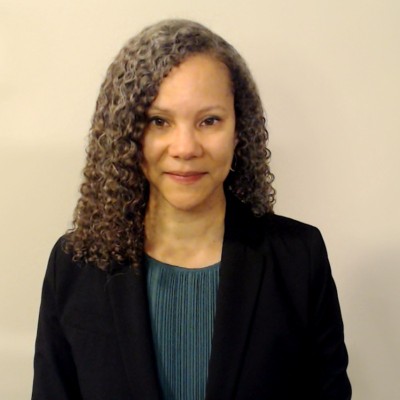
[[185, 177]]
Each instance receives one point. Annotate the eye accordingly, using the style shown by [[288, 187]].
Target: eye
[[157, 121], [209, 121]]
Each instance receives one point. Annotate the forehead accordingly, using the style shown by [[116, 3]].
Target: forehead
[[200, 77]]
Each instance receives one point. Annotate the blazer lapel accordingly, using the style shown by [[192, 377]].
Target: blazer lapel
[[240, 277], [127, 291]]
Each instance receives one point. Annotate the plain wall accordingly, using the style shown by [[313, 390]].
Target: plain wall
[[328, 73]]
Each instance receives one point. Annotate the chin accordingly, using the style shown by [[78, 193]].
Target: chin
[[190, 202]]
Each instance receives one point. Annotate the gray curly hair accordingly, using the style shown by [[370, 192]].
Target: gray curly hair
[[108, 220]]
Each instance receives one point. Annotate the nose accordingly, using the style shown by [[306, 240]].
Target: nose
[[185, 143]]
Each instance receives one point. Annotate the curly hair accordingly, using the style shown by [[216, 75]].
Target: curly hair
[[108, 226]]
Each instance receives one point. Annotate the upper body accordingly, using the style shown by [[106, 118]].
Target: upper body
[[278, 332], [178, 169]]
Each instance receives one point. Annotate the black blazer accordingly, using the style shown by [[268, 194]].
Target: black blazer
[[278, 331]]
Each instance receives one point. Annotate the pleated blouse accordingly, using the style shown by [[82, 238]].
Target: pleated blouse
[[182, 305]]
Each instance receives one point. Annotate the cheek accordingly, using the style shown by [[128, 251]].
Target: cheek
[[225, 154], [149, 152], [152, 147]]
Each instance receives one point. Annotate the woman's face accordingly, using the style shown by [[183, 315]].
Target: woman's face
[[190, 138]]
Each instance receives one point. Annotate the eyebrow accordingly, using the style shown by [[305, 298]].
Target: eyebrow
[[202, 110]]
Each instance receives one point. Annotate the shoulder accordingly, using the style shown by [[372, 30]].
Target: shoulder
[[75, 293], [272, 228], [280, 228], [281, 224], [295, 246], [60, 260], [292, 254], [64, 273]]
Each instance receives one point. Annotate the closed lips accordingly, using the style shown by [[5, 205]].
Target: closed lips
[[185, 174], [186, 177]]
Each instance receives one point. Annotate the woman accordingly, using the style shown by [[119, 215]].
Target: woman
[[178, 281]]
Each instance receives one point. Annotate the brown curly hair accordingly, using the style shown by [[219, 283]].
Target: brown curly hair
[[108, 220]]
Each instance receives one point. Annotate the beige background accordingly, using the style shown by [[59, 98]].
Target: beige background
[[328, 72]]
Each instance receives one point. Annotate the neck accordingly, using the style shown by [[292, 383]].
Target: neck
[[191, 239]]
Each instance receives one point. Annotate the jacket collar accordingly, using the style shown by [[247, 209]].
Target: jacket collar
[[128, 297], [240, 278], [238, 289]]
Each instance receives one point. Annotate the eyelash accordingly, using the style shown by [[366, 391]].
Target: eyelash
[[212, 119], [157, 121], [160, 122]]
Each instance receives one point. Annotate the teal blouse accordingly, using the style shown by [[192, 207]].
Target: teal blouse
[[182, 307]]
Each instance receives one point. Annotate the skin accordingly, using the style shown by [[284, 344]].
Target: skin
[[188, 148]]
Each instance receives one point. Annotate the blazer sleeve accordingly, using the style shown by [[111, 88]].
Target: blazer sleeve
[[54, 370], [327, 327]]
